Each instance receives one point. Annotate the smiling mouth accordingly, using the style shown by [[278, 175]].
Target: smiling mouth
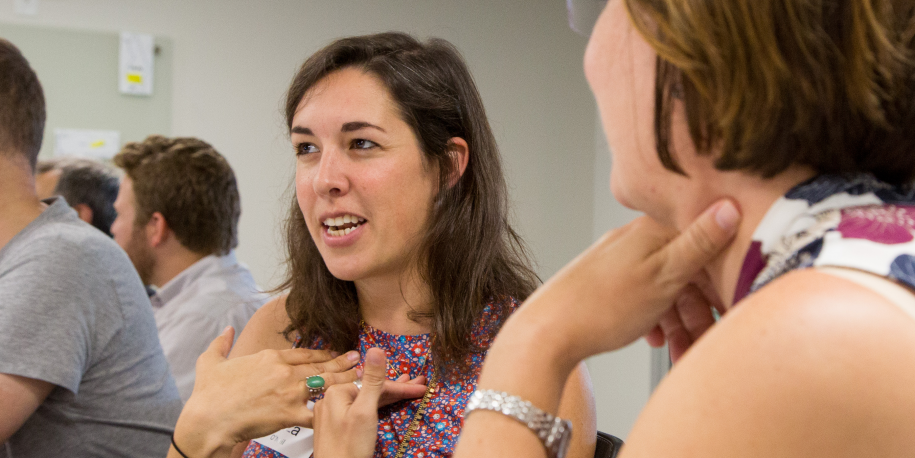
[[342, 225]]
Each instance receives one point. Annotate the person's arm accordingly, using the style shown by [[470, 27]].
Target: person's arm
[[577, 406], [809, 366], [19, 398], [609, 296], [264, 330]]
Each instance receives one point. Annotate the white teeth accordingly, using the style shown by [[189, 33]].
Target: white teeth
[[334, 223]]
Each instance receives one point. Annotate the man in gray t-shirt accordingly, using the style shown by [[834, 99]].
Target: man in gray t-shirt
[[81, 369]]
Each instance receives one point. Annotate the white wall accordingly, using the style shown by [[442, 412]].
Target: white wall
[[622, 379], [233, 60]]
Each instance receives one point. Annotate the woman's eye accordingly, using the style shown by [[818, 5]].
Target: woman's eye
[[361, 143], [305, 148]]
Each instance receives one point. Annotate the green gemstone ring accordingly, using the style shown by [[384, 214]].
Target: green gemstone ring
[[316, 385]]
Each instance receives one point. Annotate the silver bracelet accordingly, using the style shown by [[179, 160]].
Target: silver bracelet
[[554, 432]]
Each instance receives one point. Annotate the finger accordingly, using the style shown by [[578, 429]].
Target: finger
[[403, 378], [695, 311], [678, 340], [218, 349], [699, 244], [396, 391], [655, 337], [338, 398], [341, 363], [297, 356], [374, 376], [337, 378]]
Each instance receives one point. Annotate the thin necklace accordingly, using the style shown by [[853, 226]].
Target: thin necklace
[[418, 416]]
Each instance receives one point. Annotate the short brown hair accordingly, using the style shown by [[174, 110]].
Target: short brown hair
[[190, 184], [471, 256], [828, 84], [22, 111]]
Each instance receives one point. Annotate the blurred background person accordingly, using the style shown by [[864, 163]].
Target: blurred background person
[[89, 187], [178, 210], [81, 370]]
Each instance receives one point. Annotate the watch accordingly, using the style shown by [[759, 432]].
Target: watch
[[554, 432]]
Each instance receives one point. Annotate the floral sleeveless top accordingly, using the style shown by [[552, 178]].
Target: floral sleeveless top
[[438, 430], [855, 222]]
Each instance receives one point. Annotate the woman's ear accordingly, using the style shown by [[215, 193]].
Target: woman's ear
[[460, 154]]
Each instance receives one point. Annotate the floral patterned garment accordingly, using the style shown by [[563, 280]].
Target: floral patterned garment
[[439, 428], [853, 221]]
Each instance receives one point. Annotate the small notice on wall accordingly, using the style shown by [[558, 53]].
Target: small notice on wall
[[136, 64], [26, 7], [94, 144]]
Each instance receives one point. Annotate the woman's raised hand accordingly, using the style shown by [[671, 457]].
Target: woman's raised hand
[[238, 399], [246, 397], [346, 420], [620, 288]]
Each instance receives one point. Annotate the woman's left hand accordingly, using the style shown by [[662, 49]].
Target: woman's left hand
[[346, 420]]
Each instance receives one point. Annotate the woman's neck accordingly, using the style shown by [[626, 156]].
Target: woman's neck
[[754, 196], [386, 303]]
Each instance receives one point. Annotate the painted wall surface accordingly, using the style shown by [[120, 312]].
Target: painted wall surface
[[622, 379], [233, 59]]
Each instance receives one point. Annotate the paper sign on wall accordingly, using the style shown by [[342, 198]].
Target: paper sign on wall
[[95, 144], [136, 64], [26, 7]]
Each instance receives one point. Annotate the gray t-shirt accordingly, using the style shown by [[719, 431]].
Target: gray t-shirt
[[74, 313]]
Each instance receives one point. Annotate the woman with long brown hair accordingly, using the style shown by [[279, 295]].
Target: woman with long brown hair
[[398, 237], [771, 145]]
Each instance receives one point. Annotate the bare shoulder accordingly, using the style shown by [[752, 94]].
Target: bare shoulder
[[811, 365], [264, 330]]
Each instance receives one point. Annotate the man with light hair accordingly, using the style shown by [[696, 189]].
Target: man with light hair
[[178, 209], [89, 187], [81, 369]]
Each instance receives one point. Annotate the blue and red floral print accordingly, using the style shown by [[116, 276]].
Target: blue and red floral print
[[854, 222]]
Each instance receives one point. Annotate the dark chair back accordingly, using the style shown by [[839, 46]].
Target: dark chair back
[[608, 445]]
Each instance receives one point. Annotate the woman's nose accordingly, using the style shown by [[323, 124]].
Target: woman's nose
[[331, 179]]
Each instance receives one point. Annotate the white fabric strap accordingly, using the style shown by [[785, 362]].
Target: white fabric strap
[[892, 291]]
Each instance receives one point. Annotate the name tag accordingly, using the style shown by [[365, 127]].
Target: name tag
[[295, 442]]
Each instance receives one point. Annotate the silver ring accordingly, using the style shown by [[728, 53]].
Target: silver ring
[[358, 383]]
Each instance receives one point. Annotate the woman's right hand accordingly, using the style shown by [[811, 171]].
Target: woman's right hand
[[238, 399], [618, 289]]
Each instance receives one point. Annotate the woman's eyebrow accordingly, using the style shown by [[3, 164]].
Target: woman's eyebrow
[[302, 130], [356, 125]]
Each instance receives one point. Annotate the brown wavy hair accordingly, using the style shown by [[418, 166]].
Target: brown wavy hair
[[828, 84], [471, 256], [190, 184]]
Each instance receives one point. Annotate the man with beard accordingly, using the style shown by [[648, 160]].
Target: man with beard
[[178, 209], [81, 370]]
